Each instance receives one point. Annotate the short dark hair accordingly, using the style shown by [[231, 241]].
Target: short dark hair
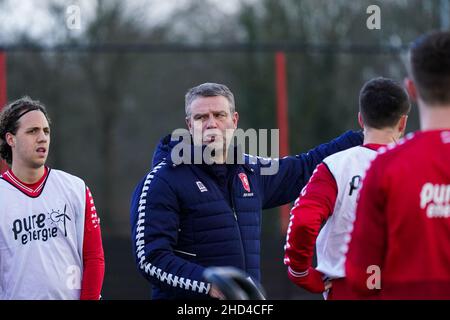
[[430, 67], [382, 102], [9, 121], [209, 89]]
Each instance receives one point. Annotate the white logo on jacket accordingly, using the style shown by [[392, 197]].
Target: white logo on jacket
[[201, 186]]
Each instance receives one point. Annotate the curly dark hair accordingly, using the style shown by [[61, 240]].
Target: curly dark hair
[[9, 121]]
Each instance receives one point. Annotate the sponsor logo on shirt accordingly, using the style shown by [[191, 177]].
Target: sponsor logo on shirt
[[435, 199], [355, 184], [42, 226], [445, 136], [201, 186]]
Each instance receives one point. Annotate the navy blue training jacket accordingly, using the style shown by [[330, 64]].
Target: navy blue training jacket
[[185, 217]]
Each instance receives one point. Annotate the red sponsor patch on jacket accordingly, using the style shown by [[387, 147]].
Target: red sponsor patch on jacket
[[244, 181]]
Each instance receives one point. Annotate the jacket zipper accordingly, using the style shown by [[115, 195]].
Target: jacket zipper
[[239, 229]]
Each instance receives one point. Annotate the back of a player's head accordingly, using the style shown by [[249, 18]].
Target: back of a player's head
[[430, 67], [9, 121], [382, 102]]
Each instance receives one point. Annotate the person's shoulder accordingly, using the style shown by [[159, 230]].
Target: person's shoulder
[[255, 162], [60, 179], [60, 174], [167, 169], [402, 148], [394, 157], [169, 173], [3, 182], [344, 154]]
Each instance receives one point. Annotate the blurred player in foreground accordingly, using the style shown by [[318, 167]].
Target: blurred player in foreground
[[400, 245], [50, 239], [331, 193]]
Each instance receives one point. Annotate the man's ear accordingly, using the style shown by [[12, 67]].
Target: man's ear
[[10, 139], [411, 88], [360, 120], [188, 124], [402, 123], [235, 119]]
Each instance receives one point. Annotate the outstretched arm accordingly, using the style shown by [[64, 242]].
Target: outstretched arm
[[294, 171]]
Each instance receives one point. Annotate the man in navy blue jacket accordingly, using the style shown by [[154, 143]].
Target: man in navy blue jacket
[[189, 215]]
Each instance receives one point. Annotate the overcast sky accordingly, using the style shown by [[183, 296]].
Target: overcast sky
[[32, 16]]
